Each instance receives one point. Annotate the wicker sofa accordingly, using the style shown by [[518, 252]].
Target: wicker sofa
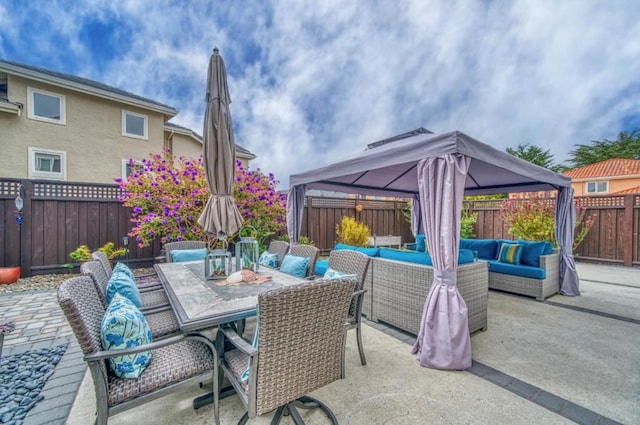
[[397, 290], [536, 275]]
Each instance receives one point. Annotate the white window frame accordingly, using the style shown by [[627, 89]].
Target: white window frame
[[145, 136], [36, 174], [125, 163], [31, 106], [596, 183]]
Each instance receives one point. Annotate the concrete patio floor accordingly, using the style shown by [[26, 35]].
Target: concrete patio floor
[[563, 361]]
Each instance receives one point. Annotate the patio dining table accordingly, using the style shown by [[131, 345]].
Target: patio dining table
[[201, 304]]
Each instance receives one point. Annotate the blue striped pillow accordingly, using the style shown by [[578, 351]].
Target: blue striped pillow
[[510, 253]]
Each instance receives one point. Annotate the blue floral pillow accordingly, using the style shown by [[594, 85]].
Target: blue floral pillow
[[121, 283], [334, 274], [269, 260], [123, 326], [294, 265]]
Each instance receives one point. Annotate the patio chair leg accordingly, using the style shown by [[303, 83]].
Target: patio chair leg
[[363, 360]]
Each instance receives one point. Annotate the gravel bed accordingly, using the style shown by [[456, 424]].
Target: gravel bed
[[50, 281], [22, 377]]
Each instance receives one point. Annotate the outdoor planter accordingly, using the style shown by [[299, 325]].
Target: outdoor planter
[[9, 275]]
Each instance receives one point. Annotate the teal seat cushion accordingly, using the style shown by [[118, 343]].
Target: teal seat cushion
[[369, 251], [531, 252], [268, 259], [496, 266], [294, 265], [407, 256], [487, 248], [335, 274], [123, 326], [180, 255], [421, 244], [548, 248], [510, 253], [321, 267], [125, 269], [122, 284]]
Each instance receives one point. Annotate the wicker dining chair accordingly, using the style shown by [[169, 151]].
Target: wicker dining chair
[[150, 300], [289, 361], [170, 246], [353, 262], [178, 360], [145, 282], [280, 248], [309, 251]]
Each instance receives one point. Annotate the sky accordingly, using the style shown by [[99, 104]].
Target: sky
[[314, 81]]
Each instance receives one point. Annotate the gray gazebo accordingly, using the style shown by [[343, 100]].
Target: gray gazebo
[[438, 170]]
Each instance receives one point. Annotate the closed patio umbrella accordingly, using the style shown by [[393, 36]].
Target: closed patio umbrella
[[220, 213]]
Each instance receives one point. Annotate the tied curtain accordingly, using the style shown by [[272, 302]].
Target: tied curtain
[[295, 209], [443, 341], [565, 221], [417, 226]]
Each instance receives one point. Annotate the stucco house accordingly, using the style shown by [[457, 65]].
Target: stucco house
[[63, 127], [615, 176]]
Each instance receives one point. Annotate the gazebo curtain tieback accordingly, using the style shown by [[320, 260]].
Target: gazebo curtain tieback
[[445, 277]]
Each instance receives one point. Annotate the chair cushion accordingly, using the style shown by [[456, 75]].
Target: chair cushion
[[548, 248], [496, 266], [334, 274], [294, 265], [180, 255], [465, 256], [321, 267], [531, 252], [421, 244], [510, 253], [268, 259], [371, 251], [123, 326], [487, 248], [407, 256], [121, 283]]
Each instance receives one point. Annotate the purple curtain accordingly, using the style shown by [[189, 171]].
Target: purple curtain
[[443, 341], [565, 224], [417, 226], [295, 209]]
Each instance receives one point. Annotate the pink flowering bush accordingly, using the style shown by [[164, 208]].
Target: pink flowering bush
[[534, 219], [167, 196]]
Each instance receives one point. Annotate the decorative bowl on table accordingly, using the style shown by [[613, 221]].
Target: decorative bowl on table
[[9, 275]]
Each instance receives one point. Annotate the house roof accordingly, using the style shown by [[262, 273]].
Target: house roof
[[616, 167], [84, 85], [240, 151], [628, 191]]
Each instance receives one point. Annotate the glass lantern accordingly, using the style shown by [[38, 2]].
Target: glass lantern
[[247, 254], [217, 264]]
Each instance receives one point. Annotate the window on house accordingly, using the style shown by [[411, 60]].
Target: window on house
[[47, 164], [597, 187], [134, 125], [46, 106], [4, 86], [129, 167]]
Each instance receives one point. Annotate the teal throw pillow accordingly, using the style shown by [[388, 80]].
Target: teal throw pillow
[[531, 252], [268, 259], [294, 265], [125, 269], [180, 255], [510, 253], [334, 274], [123, 326], [122, 284], [421, 244]]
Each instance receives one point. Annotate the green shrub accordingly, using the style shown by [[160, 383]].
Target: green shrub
[[352, 232]]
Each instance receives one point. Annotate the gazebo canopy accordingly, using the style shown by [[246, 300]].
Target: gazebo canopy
[[390, 169]]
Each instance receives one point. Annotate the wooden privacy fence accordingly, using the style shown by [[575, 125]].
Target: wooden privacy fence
[[58, 217]]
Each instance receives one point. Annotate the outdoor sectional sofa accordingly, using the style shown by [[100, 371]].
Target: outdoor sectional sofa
[[397, 283], [535, 274]]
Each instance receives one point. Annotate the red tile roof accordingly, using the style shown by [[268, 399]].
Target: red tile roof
[[630, 190], [615, 167]]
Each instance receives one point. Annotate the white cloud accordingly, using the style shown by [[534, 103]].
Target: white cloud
[[311, 82]]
